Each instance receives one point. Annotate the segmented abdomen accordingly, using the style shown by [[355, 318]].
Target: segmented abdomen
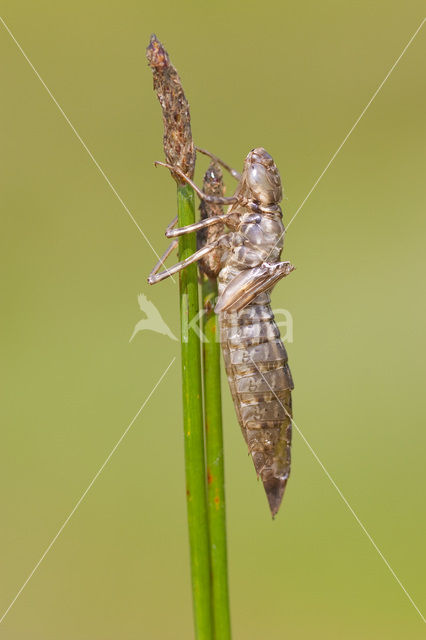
[[261, 383]]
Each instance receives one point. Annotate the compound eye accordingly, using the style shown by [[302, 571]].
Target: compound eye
[[261, 184], [258, 177]]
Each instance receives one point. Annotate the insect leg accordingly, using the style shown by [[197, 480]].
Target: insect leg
[[171, 225], [207, 222], [168, 251], [236, 174], [200, 194], [172, 246], [157, 277]]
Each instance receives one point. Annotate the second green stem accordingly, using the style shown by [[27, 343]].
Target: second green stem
[[215, 463]]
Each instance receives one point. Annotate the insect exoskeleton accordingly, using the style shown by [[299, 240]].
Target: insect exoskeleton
[[247, 260]]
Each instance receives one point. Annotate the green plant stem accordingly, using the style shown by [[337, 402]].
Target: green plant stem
[[193, 427], [215, 463]]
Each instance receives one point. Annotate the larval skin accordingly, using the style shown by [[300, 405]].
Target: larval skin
[[242, 248], [256, 359]]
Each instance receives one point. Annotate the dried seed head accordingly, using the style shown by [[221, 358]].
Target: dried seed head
[[177, 140]]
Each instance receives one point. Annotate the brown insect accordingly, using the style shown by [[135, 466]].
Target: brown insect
[[246, 260]]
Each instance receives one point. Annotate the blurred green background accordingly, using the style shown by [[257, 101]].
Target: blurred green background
[[292, 77]]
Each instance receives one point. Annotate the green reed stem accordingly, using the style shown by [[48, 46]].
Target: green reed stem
[[193, 427], [215, 463]]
